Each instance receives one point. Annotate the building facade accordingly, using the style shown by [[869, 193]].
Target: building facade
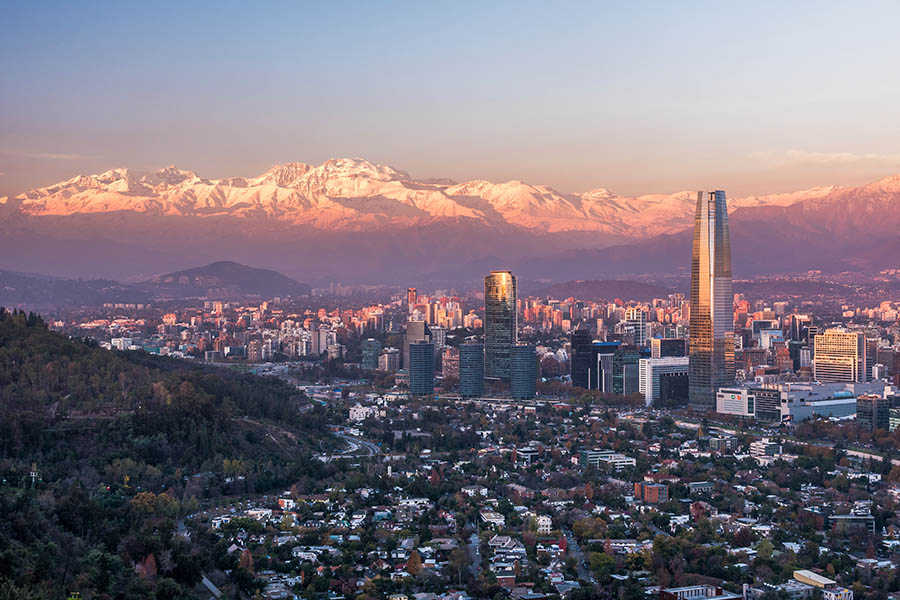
[[839, 355], [712, 317], [523, 372], [471, 370], [421, 368], [500, 323]]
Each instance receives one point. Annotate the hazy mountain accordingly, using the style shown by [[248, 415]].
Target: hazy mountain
[[219, 280], [39, 291], [350, 220], [604, 290], [224, 279]]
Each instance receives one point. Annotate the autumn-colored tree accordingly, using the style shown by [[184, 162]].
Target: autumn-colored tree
[[147, 567], [246, 561], [588, 492], [414, 564]]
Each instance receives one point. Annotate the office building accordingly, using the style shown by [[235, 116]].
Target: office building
[[416, 331], [580, 358], [650, 371], [712, 317], [421, 368], [839, 356], [626, 375], [500, 323], [471, 370], [450, 363], [600, 375], [673, 390], [636, 325], [667, 347], [523, 372], [389, 360], [412, 297], [873, 412], [371, 350]]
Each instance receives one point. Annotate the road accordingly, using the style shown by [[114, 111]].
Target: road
[[474, 547], [584, 574], [356, 447]]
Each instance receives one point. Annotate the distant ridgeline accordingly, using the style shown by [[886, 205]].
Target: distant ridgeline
[[100, 452]]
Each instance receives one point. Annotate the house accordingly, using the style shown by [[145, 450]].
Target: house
[[473, 491], [544, 524], [697, 592], [493, 518]]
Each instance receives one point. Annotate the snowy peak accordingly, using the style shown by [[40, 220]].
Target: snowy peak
[[355, 194]]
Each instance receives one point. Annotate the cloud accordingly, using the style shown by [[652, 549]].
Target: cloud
[[804, 157], [46, 155]]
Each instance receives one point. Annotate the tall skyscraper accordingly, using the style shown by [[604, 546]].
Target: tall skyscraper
[[421, 368], [471, 370], [500, 322], [412, 297], [371, 350], [523, 372], [712, 316], [840, 356], [580, 357], [416, 331]]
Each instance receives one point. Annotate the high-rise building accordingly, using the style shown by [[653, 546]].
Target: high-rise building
[[712, 316], [371, 349], [626, 375], [523, 372], [873, 412], [471, 370], [636, 325], [500, 323], [839, 356], [600, 375], [389, 360], [421, 368], [450, 363], [580, 357], [416, 331], [412, 297], [667, 347], [651, 369]]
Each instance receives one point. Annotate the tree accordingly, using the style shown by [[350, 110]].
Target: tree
[[459, 562], [414, 564], [246, 561]]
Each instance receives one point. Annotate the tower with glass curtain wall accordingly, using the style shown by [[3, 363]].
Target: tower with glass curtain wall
[[712, 315], [500, 323]]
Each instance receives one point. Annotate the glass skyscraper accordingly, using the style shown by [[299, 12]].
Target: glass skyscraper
[[500, 322], [471, 370], [523, 372], [421, 368], [712, 315]]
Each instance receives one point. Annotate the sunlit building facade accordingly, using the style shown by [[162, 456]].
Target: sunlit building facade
[[500, 323], [712, 317]]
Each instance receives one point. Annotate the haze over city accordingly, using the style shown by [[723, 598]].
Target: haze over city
[[470, 301]]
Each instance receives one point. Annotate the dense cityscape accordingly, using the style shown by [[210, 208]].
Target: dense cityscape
[[481, 444], [449, 301]]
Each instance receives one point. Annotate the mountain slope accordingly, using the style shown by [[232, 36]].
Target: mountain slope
[[354, 221], [225, 279]]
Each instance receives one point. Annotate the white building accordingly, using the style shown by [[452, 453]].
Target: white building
[[649, 370], [544, 524]]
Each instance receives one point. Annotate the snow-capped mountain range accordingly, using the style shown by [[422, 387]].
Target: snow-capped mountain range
[[354, 194], [352, 220]]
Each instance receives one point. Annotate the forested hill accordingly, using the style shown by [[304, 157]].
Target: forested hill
[[101, 428]]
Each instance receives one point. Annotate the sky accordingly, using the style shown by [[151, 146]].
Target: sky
[[636, 97]]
